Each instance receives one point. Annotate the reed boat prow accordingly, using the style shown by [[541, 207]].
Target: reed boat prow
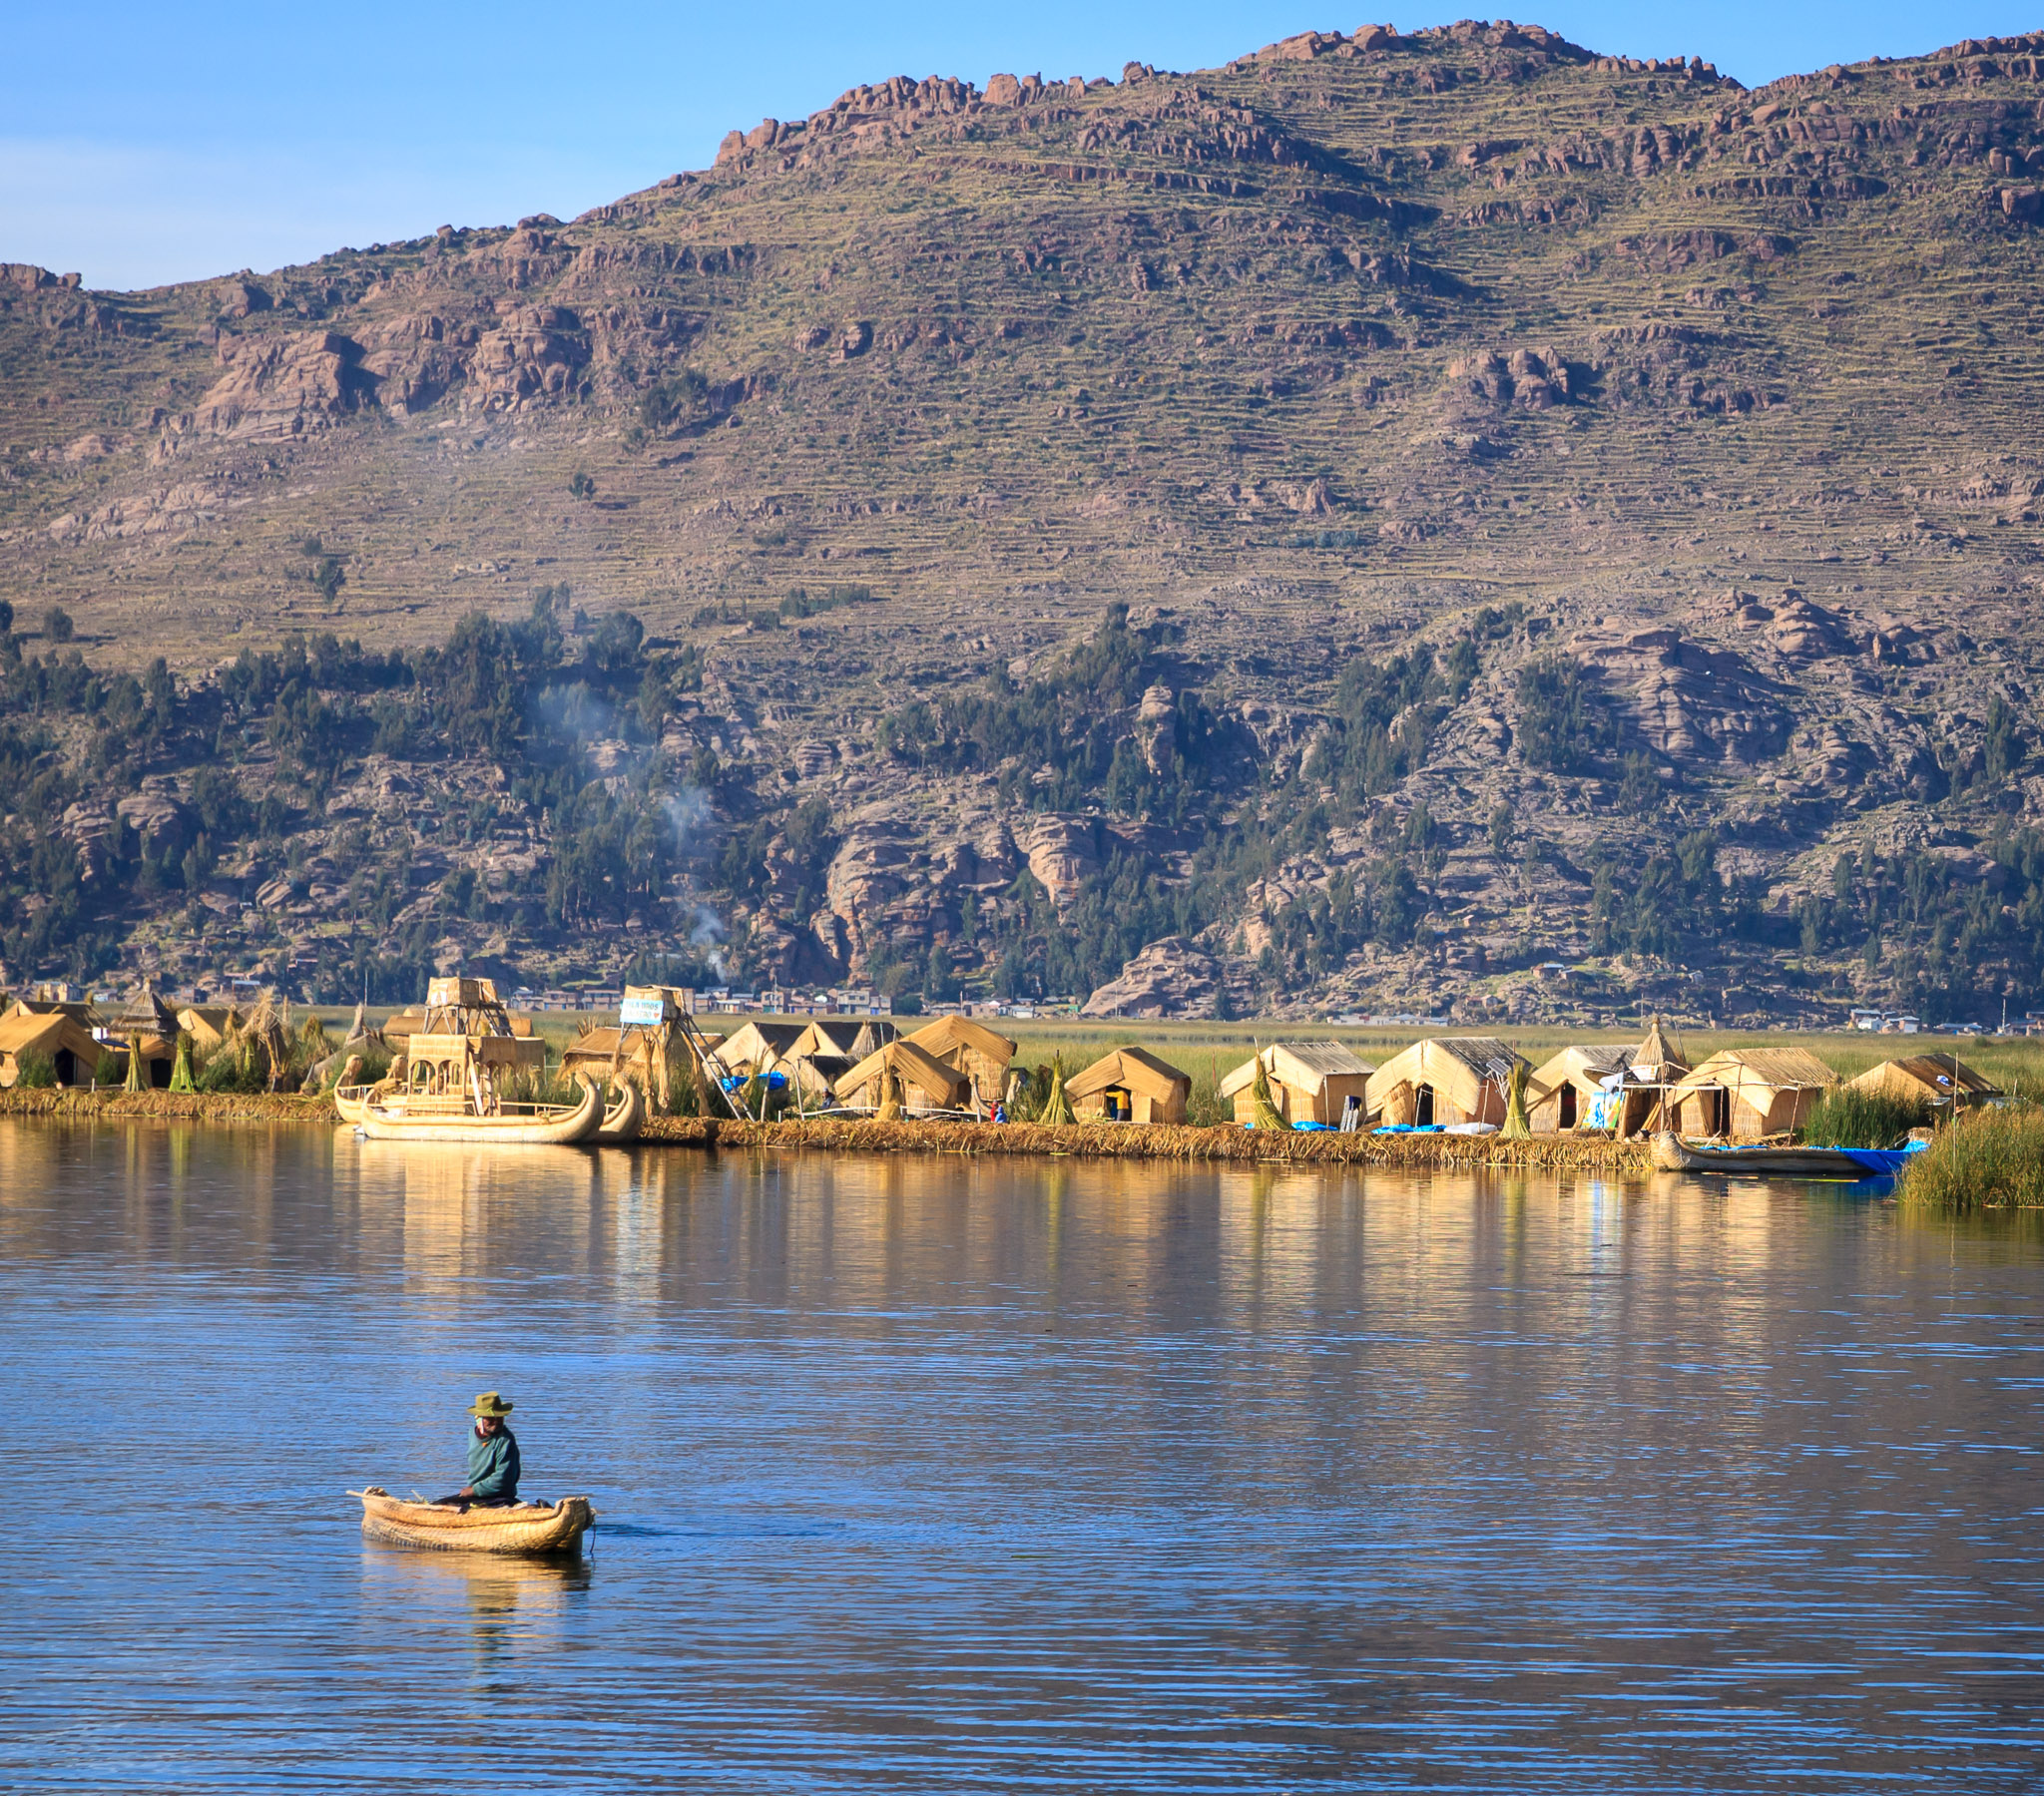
[[526, 1527], [622, 1121]]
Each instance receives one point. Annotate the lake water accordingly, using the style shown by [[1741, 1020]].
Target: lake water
[[955, 1475]]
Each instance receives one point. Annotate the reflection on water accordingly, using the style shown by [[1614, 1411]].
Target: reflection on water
[[508, 1608], [955, 1473]]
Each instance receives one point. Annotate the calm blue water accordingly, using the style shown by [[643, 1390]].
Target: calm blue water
[[950, 1475]]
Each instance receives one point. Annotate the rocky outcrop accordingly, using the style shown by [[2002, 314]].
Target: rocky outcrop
[[283, 385], [531, 355], [159, 825], [1174, 977], [1063, 853], [94, 839], [1690, 703]]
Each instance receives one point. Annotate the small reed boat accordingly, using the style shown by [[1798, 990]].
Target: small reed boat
[[1673, 1154], [525, 1528]]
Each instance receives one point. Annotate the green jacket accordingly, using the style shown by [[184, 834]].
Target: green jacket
[[493, 1465]]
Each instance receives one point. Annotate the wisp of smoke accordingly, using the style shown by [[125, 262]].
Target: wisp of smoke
[[706, 936], [687, 811]]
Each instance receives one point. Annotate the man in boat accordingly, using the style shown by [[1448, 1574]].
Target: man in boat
[[492, 1458]]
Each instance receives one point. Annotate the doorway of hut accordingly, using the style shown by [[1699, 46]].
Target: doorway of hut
[[1716, 1107], [67, 1067], [1422, 1107], [1567, 1118]]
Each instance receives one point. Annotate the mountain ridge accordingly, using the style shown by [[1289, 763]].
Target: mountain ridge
[[1313, 361]]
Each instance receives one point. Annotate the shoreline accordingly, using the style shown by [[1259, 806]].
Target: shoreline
[[1097, 1141]]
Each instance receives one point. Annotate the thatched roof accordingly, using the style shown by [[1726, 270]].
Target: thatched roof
[[146, 1013], [824, 1034], [874, 1032], [949, 1034], [759, 1047], [915, 1069], [602, 1043], [1936, 1076], [1583, 1065], [1304, 1066], [1133, 1070], [1762, 1069], [207, 1024], [1457, 1065], [50, 1034], [1659, 1057]]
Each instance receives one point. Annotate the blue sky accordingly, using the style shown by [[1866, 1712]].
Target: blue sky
[[143, 144]]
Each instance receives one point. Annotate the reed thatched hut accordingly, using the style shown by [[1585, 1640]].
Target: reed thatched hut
[[208, 1024], [1310, 1082], [971, 1049], [1129, 1085], [1444, 1081], [923, 1081], [1582, 1086], [757, 1049], [1941, 1079], [1750, 1091], [61, 1040], [605, 1053]]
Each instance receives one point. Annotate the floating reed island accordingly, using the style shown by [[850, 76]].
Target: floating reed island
[[1159, 1141], [113, 1105]]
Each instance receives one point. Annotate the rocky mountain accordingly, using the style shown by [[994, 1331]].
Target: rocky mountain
[[1566, 509]]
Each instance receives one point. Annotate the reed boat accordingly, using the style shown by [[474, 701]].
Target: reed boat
[[622, 1119], [348, 1100], [1673, 1154], [400, 1116], [525, 1528]]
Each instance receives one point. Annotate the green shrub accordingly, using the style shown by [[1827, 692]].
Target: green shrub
[[1990, 1159], [1848, 1118], [239, 1070], [110, 1068], [35, 1072]]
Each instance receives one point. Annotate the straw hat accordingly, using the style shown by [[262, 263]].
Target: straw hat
[[488, 1403]]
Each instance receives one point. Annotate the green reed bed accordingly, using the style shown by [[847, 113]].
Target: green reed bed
[[1848, 1118], [1991, 1160]]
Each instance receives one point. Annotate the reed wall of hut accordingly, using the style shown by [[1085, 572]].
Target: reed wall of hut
[[1310, 1082], [1443, 1079], [1750, 1091], [971, 1049]]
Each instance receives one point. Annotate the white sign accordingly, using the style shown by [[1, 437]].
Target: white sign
[[641, 1011]]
